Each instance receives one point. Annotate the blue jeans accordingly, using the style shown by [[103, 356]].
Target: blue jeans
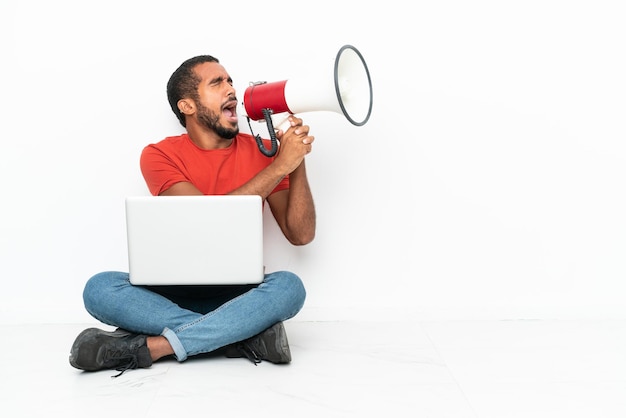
[[197, 319]]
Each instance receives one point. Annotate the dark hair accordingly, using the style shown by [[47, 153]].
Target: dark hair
[[184, 83]]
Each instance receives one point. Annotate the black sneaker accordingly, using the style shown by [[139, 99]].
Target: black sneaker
[[270, 345], [95, 349]]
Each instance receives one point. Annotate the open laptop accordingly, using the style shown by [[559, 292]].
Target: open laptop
[[195, 240]]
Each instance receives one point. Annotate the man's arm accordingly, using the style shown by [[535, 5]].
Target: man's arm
[[294, 209], [182, 188]]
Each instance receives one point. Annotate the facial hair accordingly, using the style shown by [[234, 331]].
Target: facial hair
[[211, 121]]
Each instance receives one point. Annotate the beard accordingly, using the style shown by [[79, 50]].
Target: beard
[[211, 121]]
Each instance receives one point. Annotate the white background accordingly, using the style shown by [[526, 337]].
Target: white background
[[488, 183]]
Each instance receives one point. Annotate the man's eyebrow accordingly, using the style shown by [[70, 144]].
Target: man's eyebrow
[[219, 79]]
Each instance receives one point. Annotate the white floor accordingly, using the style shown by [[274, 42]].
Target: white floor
[[456, 369]]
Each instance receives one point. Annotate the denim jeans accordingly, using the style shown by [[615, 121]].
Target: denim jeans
[[194, 319]]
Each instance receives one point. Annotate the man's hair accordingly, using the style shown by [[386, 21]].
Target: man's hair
[[184, 84]]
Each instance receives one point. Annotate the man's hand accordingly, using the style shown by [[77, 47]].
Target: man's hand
[[295, 144]]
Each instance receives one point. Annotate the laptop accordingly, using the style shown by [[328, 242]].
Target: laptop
[[195, 240]]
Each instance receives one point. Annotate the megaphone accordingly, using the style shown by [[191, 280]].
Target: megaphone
[[346, 90]]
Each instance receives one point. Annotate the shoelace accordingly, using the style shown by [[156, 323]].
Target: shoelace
[[247, 351], [129, 361]]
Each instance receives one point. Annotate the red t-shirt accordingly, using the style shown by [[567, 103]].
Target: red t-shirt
[[213, 172]]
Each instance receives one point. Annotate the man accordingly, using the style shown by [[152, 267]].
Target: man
[[212, 157]]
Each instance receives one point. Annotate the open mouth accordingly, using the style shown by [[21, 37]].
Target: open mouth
[[230, 111]]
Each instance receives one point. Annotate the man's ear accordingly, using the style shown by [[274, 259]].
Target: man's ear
[[186, 106]]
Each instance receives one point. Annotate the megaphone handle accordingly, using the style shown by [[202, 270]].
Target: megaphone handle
[[274, 142], [284, 124]]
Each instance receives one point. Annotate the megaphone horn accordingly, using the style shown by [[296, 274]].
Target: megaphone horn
[[347, 90]]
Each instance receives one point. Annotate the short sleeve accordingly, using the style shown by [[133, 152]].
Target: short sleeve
[[158, 170]]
